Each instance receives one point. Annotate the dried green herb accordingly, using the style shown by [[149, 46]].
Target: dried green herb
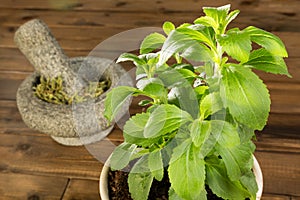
[[52, 91]]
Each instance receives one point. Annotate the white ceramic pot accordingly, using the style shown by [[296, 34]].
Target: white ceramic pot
[[104, 176]]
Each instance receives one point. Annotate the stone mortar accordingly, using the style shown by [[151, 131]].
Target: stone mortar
[[76, 124]]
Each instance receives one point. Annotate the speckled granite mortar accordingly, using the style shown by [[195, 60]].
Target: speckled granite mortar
[[76, 124]]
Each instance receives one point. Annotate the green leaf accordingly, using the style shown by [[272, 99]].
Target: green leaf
[[145, 102], [246, 133], [168, 27], [181, 92], [225, 133], [187, 74], [121, 156], [156, 165], [220, 184], [172, 78], [267, 40], [219, 15], [140, 180], [210, 104], [153, 88], [207, 21], [115, 99], [185, 98], [187, 174], [194, 52], [185, 39], [165, 119], [230, 17], [152, 42], [248, 180], [245, 95], [236, 44], [140, 63], [181, 148], [142, 83], [156, 91], [238, 159], [262, 59], [173, 195], [200, 132], [134, 130], [199, 33], [131, 57], [146, 129]]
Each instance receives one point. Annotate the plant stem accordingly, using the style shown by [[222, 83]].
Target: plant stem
[[218, 62]]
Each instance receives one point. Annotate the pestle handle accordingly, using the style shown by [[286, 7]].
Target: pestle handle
[[37, 43]]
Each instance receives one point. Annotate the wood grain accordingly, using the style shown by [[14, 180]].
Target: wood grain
[[281, 172], [287, 6], [22, 186], [79, 39], [285, 97], [16, 62], [269, 20], [274, 197], [82, 189], [33, 166], [42, 156]]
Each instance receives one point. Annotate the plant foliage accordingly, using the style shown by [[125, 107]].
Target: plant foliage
[[203, 109]]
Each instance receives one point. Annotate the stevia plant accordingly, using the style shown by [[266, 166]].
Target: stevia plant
[[203, 105]]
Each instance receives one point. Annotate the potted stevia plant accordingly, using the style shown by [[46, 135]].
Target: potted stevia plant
[[64, 97], [202, 104]]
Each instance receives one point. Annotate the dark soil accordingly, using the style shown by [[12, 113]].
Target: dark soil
[[118, 188]]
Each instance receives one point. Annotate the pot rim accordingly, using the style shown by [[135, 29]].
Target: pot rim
[[103, 188]]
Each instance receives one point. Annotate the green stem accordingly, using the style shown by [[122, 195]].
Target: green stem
[[218, 61]]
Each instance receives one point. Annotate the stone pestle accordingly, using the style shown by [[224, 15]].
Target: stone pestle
[[37, 43]]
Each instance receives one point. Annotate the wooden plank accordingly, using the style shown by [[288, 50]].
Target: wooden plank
[[75, 38], [89, 189], [285, 97], [80, 39], [11, 122], [280, 134], [12, 17], [267, 141], [42, 156], [275, 165], [269, 20], [82, 189], [284, 126], [287, 6], [22, 186], [274, 197], [281, 172], [13, 61]]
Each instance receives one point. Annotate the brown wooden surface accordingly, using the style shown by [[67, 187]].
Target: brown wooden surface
[[33, 166]]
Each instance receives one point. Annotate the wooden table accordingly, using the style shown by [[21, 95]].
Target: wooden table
[[33, 166]]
